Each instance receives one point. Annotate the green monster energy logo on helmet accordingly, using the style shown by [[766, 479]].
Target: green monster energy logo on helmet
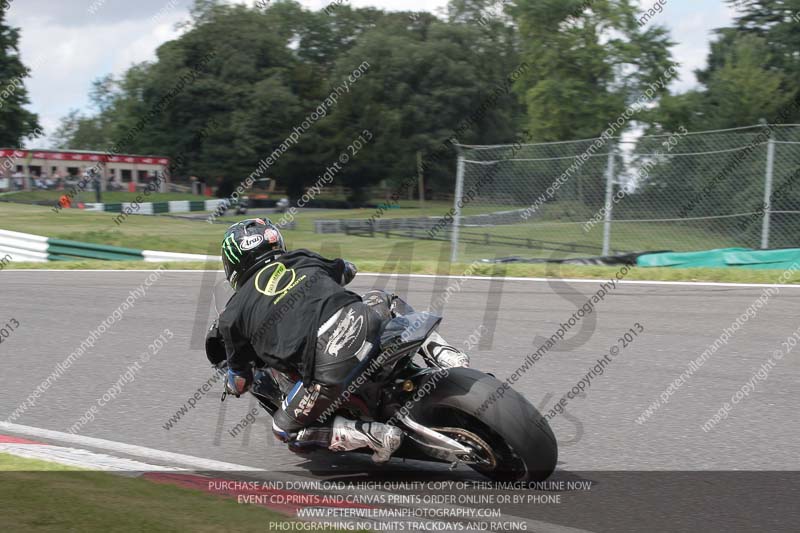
[[231, 249]]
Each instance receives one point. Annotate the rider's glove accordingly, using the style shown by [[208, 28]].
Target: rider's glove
[[238, 382], [350, 271]]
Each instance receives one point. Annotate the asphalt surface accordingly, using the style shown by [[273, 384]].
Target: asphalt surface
[[57, 310]]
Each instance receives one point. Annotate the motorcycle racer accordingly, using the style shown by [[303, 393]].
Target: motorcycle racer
[[291, 310]]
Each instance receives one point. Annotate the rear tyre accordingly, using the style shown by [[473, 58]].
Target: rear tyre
[[523, 447]]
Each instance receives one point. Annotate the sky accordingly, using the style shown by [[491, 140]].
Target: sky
[[69, 43]]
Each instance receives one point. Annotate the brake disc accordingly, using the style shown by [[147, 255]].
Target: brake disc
[[482, 454]]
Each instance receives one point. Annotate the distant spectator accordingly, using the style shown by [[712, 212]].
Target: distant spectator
[[224, 188], [44, 178], [97, 182]]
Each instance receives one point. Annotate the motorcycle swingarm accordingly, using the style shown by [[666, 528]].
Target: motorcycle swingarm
[[435, 444]]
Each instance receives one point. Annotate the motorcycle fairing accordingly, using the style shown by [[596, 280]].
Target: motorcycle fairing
[[406, 333]]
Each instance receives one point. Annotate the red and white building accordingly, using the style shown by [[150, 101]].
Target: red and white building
[[120, 169]]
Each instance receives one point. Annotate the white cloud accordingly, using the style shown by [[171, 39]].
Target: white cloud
[[691, 28], [64, 60]]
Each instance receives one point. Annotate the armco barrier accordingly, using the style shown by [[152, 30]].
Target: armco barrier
[[27, 247], [62, 250], [497, 218], [151, 208], [23, 247]]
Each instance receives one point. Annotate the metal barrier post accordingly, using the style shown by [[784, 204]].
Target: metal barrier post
[[768, 193], [457, 208], [609, 198]]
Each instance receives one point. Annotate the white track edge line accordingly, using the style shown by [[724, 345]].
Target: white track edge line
[[479, 278], [79, 457], [121, 447]]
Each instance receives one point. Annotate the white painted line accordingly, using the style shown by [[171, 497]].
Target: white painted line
[[80, 458], [595, 280], [131, 449], [101, 270], [480, 278], [155, 256]]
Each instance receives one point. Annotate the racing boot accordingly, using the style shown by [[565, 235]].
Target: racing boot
[[446, 356], [353, 434]]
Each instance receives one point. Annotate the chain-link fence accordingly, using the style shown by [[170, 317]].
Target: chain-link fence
[[680, 191]]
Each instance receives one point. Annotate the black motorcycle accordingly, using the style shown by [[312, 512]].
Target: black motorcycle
[[457, 415]]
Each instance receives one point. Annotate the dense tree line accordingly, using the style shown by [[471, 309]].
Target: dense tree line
[[239, 80], [480, 73]]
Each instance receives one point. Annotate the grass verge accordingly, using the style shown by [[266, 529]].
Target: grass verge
[[12, 463], [40, 496], [377, 254]]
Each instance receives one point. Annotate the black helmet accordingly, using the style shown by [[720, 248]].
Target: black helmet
[[248, 243]]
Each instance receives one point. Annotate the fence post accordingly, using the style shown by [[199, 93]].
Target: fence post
[[457, 208], [608, 204], [768, 193]]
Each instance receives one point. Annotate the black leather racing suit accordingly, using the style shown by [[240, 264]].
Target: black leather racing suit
[[294, 314]]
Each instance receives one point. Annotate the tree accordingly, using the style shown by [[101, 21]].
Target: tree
[[428, 82], [743, 90], [777, 22], [16, 122], [757, 58], [79, 132], [751, 74], [738, 88], [587, 64]]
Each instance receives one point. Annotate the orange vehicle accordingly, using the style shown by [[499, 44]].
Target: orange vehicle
[[261, 189]]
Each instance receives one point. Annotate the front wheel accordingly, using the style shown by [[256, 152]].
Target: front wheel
[[513, 440]]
